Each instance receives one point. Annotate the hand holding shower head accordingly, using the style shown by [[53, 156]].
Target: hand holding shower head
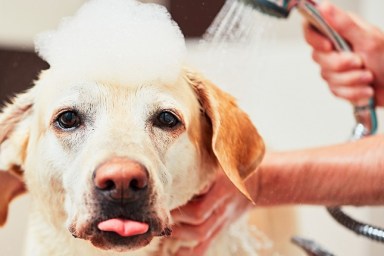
[[364, 111], [365, 115]]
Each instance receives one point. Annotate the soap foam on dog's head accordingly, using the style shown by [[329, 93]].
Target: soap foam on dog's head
[[121, 41]]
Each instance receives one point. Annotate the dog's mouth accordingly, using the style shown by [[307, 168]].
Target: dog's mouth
[[123, 227], [122, 233]]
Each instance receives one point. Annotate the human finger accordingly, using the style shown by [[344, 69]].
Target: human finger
[[342, 22], [314, 38], [351, 78], [337, 61], [199, 210], [202, 231], [355, 95], [201, 248]]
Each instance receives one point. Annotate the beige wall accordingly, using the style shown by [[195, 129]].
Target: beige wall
[[275, 81]]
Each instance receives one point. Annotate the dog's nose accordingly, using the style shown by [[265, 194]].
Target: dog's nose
[[121, 179]]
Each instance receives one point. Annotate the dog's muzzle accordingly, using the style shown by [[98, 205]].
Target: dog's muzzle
[[123, 203], [122, 181]]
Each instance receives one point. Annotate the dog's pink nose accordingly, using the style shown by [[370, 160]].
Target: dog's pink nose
[[121, 178]]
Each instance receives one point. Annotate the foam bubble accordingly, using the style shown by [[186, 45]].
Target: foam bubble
[[122, 41]]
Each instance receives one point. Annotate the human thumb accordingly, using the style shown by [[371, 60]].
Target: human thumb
[[342, 22]]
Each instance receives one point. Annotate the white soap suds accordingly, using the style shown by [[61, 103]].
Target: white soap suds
[[121, 41]]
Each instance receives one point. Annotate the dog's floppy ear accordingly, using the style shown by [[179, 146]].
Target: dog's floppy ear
[[235, 141], [14, 135]]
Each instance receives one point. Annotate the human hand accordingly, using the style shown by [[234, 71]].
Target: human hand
[[11, 186], [206, 215], [355, 76]]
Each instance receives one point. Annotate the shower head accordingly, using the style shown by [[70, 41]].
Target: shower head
[[308, 8], [274, 8]]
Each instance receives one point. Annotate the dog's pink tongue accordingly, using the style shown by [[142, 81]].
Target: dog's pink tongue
[[124, 227]]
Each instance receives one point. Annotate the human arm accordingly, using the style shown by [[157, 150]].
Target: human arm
[[353, 76], [346, 174]]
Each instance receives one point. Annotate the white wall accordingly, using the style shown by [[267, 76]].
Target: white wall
[[275, 81], [21, 20]]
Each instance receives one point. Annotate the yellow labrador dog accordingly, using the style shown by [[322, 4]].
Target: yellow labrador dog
[[111, 138]]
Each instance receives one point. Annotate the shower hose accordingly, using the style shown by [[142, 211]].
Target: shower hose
[[366, 124]]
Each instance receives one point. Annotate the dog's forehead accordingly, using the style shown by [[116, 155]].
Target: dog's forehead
[[57, 92]]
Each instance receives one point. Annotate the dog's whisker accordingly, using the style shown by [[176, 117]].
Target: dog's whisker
[[166, 232]]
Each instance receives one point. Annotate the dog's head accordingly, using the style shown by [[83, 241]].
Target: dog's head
[[110, 158]]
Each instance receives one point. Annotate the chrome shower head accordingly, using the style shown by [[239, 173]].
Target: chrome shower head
[[276, 8]]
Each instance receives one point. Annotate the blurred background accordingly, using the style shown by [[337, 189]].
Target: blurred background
[[273, 78]]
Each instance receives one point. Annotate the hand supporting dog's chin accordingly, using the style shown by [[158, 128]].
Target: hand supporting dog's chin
[[121, 234]]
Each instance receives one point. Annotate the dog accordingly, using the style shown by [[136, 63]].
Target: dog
[[107, 155]]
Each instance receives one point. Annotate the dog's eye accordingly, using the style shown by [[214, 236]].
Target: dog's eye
[[166, 120], [68, 120]]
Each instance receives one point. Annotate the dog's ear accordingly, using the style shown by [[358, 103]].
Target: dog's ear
[[14, 136], [236, 143]]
